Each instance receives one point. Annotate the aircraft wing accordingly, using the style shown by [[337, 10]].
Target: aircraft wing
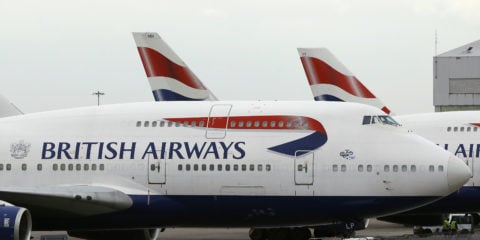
[[84, 200]]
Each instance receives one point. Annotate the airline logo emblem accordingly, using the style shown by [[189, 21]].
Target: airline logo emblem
[[347, 154], [19, 150], [295, 147]]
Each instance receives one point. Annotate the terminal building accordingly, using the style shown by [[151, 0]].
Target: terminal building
[[456, 79]]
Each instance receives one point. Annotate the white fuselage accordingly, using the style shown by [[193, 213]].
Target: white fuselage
[[199, 159]]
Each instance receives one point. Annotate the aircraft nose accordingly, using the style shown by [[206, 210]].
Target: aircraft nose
[[458, 173]]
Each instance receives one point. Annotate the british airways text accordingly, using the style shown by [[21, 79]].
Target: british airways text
[[133, 150], [464, 150]]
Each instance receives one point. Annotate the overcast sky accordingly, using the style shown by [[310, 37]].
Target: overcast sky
[[55, 54]]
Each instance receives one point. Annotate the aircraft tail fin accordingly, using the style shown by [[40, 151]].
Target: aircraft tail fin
[[7, 108], [169, 77], [330, 80]]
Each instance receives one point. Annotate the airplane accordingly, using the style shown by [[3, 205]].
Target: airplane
[[125, 171], [453, 131], [169, 77]]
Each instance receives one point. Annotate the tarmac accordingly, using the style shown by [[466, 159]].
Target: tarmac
[[376, 230]]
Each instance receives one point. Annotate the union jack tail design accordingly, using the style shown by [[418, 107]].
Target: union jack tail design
[[330, 80], [169, 77]]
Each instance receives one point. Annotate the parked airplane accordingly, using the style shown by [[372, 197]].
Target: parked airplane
[[454, 131], [169, 77], [133, 168]]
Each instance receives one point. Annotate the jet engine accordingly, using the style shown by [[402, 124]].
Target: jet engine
[[133, 234], [15, 223]]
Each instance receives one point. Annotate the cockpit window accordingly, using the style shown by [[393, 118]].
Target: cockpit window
[[384, 119], [388, 120]]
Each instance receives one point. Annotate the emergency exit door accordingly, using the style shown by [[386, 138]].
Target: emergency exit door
[[304, 167], [156, 170], [217, 121]]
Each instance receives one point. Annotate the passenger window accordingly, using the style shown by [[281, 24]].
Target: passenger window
[[212, 167], [9, 166], [177, 124], [201, 124], [386, 168], [233, 124], [78, 167], [55, 167], [289, 124], [256, 123], [169, 124], [475, 129], [94, 167], [227, 167], [413, 168], [252, 167], [468, 129], [152, 167], [85, 167], [343, 168], [62, 167], [335, 168], [280, 124], [39, 167], [272, 124], [187, 167], [179, 167], [461, 129], [146, 123], [244, 167], [264, 124], [185, 123], [195, 167], [449, 129], [235, 167], [24, 167], [440, 168], [455, 129], [194, 124], [240, 124], [268, 167], [431, 168], [360, 168], [249, 124], [70, 167], [260, 167], [366, 120], [162, 124], [404, 168], [369, 168], [204, 167], [139, 123], [154, 123], [395, 168], [219, 167], [101, 167]]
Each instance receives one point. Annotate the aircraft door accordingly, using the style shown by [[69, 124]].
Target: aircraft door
[[156, 170], [303, 172], [217, 121]]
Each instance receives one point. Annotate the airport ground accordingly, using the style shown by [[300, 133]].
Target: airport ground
[[376, 230]]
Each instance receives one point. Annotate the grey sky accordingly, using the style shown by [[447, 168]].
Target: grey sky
[[54, 54]]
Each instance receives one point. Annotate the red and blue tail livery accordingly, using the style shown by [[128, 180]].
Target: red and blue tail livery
[[169, 77], [330, 80]]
